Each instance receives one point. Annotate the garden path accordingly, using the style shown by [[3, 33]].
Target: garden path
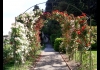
[[50, 60]]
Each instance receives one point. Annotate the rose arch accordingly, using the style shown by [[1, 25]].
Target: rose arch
[[76, 34]]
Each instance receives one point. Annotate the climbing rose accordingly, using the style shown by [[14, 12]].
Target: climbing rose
[[78, 32], [83, 27], [83, 14], [82, 21]]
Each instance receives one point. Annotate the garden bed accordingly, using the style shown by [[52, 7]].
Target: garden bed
[[72, 65]]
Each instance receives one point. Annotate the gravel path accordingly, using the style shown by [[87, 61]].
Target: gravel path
[[50, 60]]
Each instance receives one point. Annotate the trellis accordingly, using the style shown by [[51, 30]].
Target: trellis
[[67, 8]]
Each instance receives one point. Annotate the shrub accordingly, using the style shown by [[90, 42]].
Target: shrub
[[52, 38], [7, 52], [57, 43]]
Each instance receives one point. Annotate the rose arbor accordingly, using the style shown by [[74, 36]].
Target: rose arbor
[[76, 34], [75, 31]]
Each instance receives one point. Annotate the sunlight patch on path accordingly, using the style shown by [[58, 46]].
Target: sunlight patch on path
[[50, 60]]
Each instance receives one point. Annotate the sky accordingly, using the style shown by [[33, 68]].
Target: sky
[[12, 8]]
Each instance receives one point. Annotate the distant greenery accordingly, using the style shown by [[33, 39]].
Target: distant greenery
[[53, 29], [7, 51], [94, 36], [87, 6], [94, 56], [57, 43]]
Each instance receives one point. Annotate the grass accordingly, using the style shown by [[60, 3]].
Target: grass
[[94, 58], [11, 66]]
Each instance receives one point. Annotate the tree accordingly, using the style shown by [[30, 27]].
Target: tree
[[87, 6], [35, 7]]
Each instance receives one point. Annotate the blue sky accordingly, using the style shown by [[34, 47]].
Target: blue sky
[[12, 8]]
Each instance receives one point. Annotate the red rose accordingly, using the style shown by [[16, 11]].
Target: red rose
[[82, 21], [83, 27], [78, 32], [83, 14]]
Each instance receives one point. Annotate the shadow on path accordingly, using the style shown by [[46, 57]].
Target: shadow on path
[[50, 60]]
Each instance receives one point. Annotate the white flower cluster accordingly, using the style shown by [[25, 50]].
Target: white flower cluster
[[30, 16], [23, 47], [72, 23]]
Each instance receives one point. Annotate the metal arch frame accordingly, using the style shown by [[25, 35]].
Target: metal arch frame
[[89, 17], [52, 3], [33, 6]]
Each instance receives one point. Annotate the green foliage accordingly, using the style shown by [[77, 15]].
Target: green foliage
[[94, 38], [85, 59], [62, 48], [86, 6], [35, 7], [7, 52], [52, 38], [94, 46], [45, 28], [52, 27], [57, 43], [30, 61]]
